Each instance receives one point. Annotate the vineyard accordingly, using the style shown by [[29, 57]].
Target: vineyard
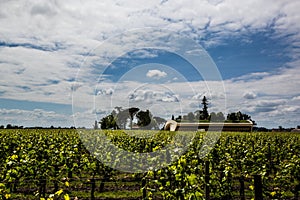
[[57, 164]]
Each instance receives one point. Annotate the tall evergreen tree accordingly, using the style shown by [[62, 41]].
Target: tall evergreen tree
[[205, 111]]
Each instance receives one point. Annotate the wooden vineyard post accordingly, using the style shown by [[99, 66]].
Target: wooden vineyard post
[[43, 185], [242, 187], [144, 188], [207, 177], [297, 190], [229, 185], [270, 159], [258, 187], [242, 182], [56, 171], [93, 184]]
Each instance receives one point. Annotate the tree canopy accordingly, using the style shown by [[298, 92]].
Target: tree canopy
[[123, 119], [108, 122]]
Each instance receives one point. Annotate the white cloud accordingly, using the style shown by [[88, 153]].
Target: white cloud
[[198, 96], [270, 103], [78, 24], [49, 40], [108, 91], [296, 98], [276, 102], [155, 73], [36, 117], [251, 76], [142, 53], [277, 99], [150, 96], [249, 95]]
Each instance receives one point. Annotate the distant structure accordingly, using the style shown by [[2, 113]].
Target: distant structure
[[172, 125], [296, 130], [281, 129]]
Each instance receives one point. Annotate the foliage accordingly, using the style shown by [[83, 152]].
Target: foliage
[[238, 116], [59, 155], [216, 117], [273, 156], [109, 122], [144, 118], [119, 117], [205, 111]]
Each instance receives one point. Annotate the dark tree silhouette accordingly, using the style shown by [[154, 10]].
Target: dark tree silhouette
[[238, 116], [205, 111], [124, 115], [144, 119], [119, 118], [108, 122], [9, 126], [232, 117]]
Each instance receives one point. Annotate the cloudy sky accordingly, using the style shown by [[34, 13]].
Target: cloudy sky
[[67, 63]]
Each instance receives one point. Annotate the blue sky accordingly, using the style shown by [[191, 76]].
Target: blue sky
[[127, 62], [69, 63], [259, 53]]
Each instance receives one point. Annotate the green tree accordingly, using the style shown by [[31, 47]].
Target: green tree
[[191, 116], [232, 117], [238, 116], [108, 122], [213, 117], [144, 119], [216, 117], [205, 107], [246, 117], [124, 115], [198, 114], [220, 116]]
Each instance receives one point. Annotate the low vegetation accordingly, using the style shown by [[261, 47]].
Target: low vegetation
[[55, 164]]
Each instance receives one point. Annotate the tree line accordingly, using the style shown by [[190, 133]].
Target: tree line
[[10, 126], [131, 118], [204, 116]]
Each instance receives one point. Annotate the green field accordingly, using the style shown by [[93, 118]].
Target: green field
[[56, 164]]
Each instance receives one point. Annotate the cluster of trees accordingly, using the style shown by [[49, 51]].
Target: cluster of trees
[[10, 126], [129, 118], [238, 116], [203, 115], [134, 117], [214, 117], [197, 115]]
